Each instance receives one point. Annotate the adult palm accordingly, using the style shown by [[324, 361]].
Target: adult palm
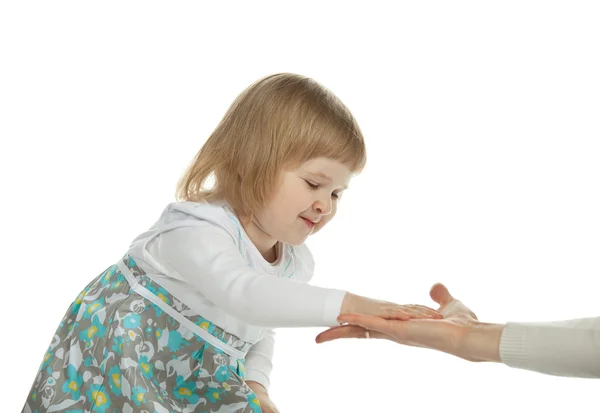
[[449, 334]]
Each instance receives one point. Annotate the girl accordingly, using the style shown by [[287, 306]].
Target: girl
[[183, 322]]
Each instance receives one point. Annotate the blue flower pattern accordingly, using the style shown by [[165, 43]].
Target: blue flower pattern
[[105, 344]]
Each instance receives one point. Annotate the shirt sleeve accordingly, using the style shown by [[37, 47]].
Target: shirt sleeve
[[206, 257], [259, 360], [562, 348]]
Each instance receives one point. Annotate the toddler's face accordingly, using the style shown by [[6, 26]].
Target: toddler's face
[[305, 201]]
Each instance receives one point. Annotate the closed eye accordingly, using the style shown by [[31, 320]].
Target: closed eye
[[311, 185], [314, 187]]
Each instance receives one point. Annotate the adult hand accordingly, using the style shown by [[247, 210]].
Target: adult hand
[[458, 333]]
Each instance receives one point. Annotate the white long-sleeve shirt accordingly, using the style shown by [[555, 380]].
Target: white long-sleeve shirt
[[561, 348], [201, 254]]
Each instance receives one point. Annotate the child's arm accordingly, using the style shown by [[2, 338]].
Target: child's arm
[[206, 256], [259, 364], [259, 361]]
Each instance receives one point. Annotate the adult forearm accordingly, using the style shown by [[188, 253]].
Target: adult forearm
[[481, 342]]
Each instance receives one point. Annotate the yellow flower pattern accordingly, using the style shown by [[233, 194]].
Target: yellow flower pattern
[[131, 349]]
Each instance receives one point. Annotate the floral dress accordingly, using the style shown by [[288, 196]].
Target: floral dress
[[127, 345]]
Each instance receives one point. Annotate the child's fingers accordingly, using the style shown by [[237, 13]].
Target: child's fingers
[[407, 312], [395, 313], [422, 311]]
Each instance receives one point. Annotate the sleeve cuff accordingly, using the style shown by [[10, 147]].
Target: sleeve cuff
[[333, 307], [512, 345]]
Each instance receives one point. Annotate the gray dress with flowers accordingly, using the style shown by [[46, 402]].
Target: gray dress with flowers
[[127, 345]]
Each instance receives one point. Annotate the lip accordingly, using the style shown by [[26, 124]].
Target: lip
[[308, 222]]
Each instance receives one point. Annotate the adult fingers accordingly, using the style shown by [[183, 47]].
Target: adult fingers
[[347, 331], [440, 294], [372, 323]]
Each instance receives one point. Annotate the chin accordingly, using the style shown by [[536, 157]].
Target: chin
[[295, 242]]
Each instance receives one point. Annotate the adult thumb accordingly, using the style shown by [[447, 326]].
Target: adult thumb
[[440, 294]]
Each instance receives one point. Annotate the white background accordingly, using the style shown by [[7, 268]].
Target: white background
[[482, 126]]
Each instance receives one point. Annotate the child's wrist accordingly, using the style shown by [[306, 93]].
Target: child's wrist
[[349, 303]]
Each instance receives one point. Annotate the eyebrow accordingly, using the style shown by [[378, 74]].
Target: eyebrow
[[325, 177]]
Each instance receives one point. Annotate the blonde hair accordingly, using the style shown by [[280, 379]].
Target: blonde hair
[[277, 122]]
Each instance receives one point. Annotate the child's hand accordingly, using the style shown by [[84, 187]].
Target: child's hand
[[367, 306], [266, 405]]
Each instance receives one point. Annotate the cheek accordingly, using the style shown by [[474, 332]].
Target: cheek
[[297, 198], [284, 212]]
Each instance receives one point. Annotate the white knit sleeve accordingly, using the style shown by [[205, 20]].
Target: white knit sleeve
[[259, 360], [561, 348], [206, 256]]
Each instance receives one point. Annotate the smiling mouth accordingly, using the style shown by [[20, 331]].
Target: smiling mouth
[[308, 222]]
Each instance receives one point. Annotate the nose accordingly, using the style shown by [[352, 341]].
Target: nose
[[322, 206]]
